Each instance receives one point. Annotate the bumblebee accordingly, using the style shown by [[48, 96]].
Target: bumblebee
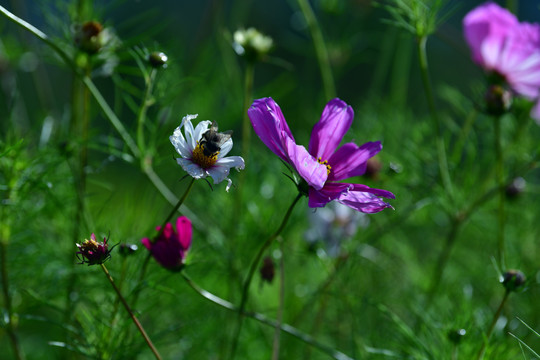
[[212, 140]]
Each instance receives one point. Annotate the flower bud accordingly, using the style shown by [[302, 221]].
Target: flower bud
[[498, 100], [251, 44], [373, 167], [90, 37], [92, 252], [512, 280], [516, 187], [158, 60], [127, 249], [267, 269], [456, 335]]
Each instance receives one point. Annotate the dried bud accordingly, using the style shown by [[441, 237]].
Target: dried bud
[[373, 167], [267, 269], [92, 252], [90, 37], [498, 100], [455, 336], [512, 280], [158, 60], [251, 44], [127, 249], [516, 187]]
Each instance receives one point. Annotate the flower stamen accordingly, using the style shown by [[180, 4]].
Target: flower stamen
[[199, 157], [325, 163]]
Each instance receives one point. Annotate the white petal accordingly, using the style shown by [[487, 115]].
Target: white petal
[[191, 168], [225, 148], [188, 130], [218, 172], [200, 129], [232, 161], [229, 184], [179, 143]]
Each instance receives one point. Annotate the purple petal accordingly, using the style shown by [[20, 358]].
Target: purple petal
[[330, 192], [336, 120], [365, 199], [183, 227], [351, 160], [147, 243], [314, 173], [487, 24], [270, 125]]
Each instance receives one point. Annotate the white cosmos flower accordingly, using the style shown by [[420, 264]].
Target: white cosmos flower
[[194, 161]]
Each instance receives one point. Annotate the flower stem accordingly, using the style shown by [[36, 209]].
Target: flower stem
[[499, 171], [251, 272], [279, 317], [492, 326], [10, 329], [176, 207], [146, 103], [333, 353], [128, 309], [320, 49], [248, 96], [441, 151]]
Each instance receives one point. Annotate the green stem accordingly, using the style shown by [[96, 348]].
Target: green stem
[[10, 329], [251, 272], [176, 207], [333, 353], [279, 317], [492, 326], [146, 103], [441, 151], [248, 96], [131, 314], [144, 266], [320, 49], [500, 183]]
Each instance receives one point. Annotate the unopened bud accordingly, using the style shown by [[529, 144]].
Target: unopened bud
[[267, 269], [90, 37], [455, 336], [158, 60], [512, 280], [498, 100], [252, 44], [516, 187], [127, 249]]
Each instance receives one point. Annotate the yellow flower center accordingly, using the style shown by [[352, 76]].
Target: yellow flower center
[[199, 158], [325, 163]]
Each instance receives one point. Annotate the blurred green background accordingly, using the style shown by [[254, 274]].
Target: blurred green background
[[372, 300]]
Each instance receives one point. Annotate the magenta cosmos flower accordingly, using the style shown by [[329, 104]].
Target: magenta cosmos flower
[[504, 46], [170, 247], [324, 166]]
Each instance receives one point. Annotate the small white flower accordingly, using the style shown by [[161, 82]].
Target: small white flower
[[196, 161]]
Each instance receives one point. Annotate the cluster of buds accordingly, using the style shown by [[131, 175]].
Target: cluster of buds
[[252, 44]]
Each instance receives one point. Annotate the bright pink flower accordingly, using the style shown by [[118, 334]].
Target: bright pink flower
[[504, 46], [170, 248], [324, 165]]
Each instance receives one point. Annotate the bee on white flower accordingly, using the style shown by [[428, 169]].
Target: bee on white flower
[[203, 150]]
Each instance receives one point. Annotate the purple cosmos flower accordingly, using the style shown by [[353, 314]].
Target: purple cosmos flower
[[92, 252], [171, 246], [505, 47], [324, 166]]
